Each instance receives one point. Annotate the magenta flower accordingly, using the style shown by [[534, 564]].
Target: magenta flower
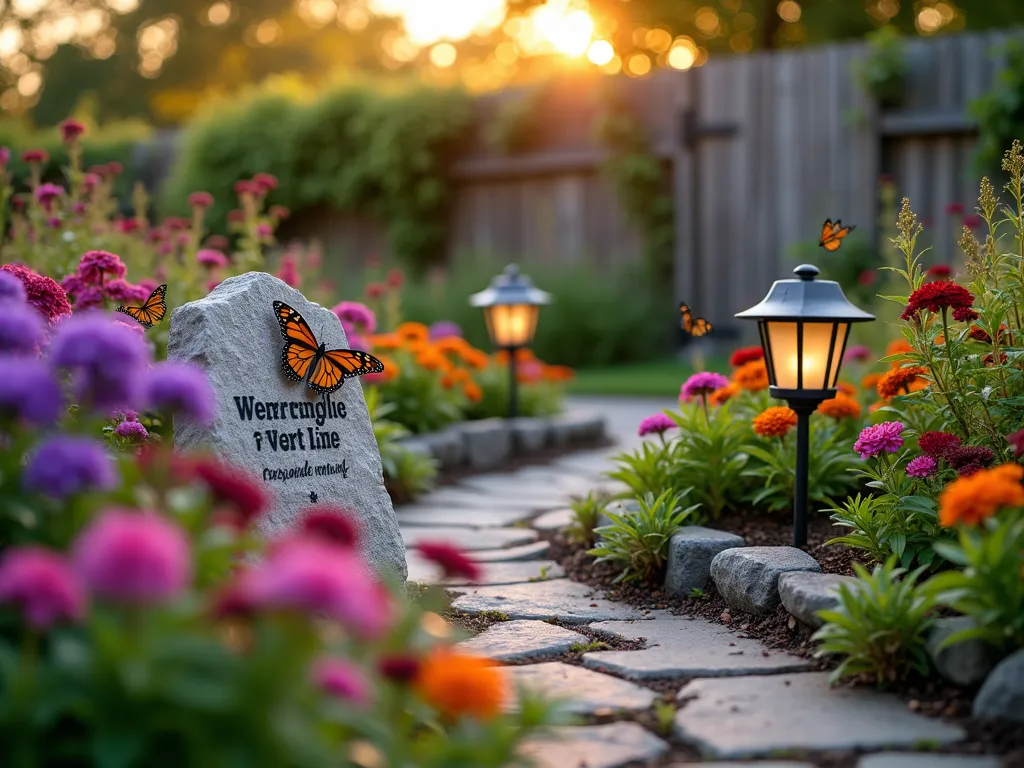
[[181, 389], [211, 258], [356, 315], [922, 466], [47, 193], [131, 430], [96, 266], [444, 329], [656, 424], [858, 353], [200, 200], [124, 292], [879, 438], [43, 293], [5, 157], [29, 391], [43, 583], [64, 465], [341, 679], [71, 130], [133, 557], [702, 384], [89, 182]]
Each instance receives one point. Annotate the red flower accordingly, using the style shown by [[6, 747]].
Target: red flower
[[375, 291], [745, 355], [71, 130], [335, 525], [1017, 441], [965, 315], [279, 212], [43, 293], [990, 359], [217, 242], [452, 560], [939, 271], [236, 216], [973, 221], [33, 156], [934, 297], [395, 278], [867, 277], [265, 182], [242, 495], [979, 334], [200, 200], [968, 459], [955, 209], [401, 669], [938, 444], [115, 168], [247, 187]]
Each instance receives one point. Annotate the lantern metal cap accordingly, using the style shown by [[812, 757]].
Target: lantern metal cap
[[510, 287], [806, 298]]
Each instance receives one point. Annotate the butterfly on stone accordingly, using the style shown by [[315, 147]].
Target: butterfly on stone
[[150, 313], [695, 326], [305, 359], [832, 234]]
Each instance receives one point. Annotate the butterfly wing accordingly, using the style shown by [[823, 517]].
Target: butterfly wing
[[832, 234], [336, 365], [300, 348], [687, 317], [701, 327], [150, 313]]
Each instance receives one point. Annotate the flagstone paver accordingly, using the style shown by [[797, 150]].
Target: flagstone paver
[[757, 716], [770, 764], [905, 760], [518, 640], [469, 539], [595, 746], [512, 554], [423, 571], [568, 601], [555, 520], [686, 647], [461, 496], [460, 517], [582, 691]]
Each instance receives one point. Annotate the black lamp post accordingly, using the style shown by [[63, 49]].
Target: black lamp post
[[804, 325], [511, 306]]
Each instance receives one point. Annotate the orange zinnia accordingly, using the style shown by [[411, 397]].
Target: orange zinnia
[[897, 347], [558, 373], [386, 341], [752, 376], [775, 421], [432, 360], [472, 391], [847, 389], [871, 380], [840, 407], [458, 684], [413, 332], [391, 369], [474, 358], [724, 394], [900, 380], [971, 499]]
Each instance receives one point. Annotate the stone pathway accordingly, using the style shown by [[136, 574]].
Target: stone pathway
[[734, 700]]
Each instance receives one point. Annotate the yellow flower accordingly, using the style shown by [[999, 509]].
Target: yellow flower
[[458, 684], [775, 421], [978, 496]]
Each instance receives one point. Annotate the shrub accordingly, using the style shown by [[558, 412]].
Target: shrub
[[638, 541], [646, 471], [1000, 112], [879, 627]]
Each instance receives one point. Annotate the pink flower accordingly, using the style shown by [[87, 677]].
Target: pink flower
[[217, 242], [5, 157], [265, 182], [115, 168], [90, 181], [955, 209], [356, 315], [236, 216], [700, 384], [200, 200], [133, 557], [1017, 441], [35, 156], [211, 258], [96, 266], [334, 525], [656, 424], [289, 271], [246, 187], [47, 193], [341, 679], [264, 230], [123, 291], [131, 429], [922, 466], [43, 583], [879, 438], [279, 212], [71, 130], [176, 223], [859, 353], [44, 293]]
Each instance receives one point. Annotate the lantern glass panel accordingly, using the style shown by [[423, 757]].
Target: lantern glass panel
[[817, 341], [511, 325]]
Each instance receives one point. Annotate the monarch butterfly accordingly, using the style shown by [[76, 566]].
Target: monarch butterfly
[[695, 326], [152, 311], [304, 359], [832, 234]]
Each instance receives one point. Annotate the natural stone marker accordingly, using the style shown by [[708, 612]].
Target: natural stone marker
[[804, 593], [739, 717], [1002, 695], [518, 640], [307, 448], [581, 691], [685, 648], [905, 760], [568, 601], [748, 577], [690, 552], [595, 746], [965, 663]]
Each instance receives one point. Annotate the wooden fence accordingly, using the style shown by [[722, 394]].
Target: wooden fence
[[759, 149]]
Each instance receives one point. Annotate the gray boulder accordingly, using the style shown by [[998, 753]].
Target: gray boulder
[[965, 663], [804, 593], [529, 435], [1002, 695], [748, 577], [690, 553]]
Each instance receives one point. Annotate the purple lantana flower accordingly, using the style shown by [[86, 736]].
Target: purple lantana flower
[[922, 466], [63, 466], [879, 438], [132, 430], [11, 288], [445, 329], [183, 390], [28, 391], [656, 425], [22, 329], [702, 384], [108, 361]]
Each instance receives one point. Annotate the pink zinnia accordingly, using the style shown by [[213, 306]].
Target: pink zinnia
[[357, 315], [859, 353], [246, 187], [47, 193], [133, 557], [334, 525], [341, 679], [34, 156], [90, 181], [265, 182], [879, 438], [453, 561], [922, 466], [131, 430], [97, 266], [71, 130], [264, 230], [211, 258], [703, 383], [656, 425], [200, 200], [43, 583]]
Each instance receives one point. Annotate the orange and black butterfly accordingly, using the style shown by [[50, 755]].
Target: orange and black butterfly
[[832, 234], [150, 313], [695, 326], [305, 359]]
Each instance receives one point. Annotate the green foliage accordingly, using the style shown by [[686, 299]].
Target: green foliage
[[586, 513], [355, 148], [417, 400], [407, 474], [883, 70], [828, 472], [989, 587], [637, 541], [647, 470], [879, 627], [539, 398], [1000, 112]]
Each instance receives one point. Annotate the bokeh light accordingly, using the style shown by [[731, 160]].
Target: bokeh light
[[638, 65], [790, 11], [443, 55], [600, 52]]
